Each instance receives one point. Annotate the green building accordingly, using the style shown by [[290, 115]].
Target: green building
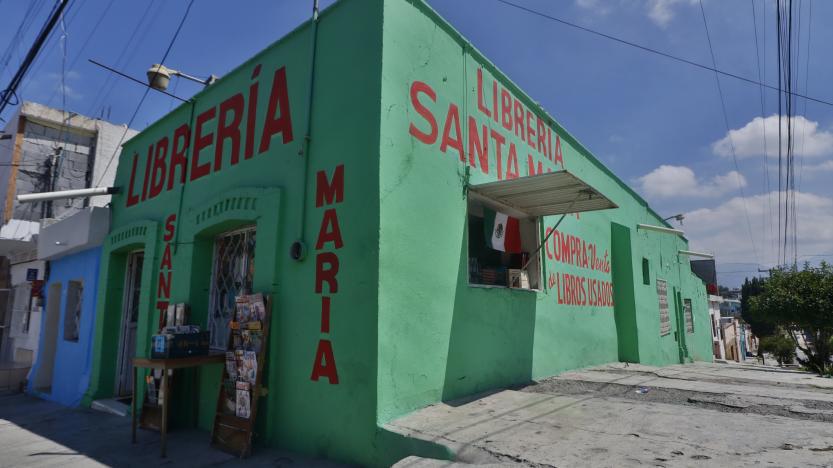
[[357, 191]]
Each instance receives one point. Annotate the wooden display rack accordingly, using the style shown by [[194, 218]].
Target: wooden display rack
[[231, 433]]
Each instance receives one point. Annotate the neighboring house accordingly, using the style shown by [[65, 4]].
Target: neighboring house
[[731, 338], [72, 246], [706, 271], [718, 345], [43, 149]]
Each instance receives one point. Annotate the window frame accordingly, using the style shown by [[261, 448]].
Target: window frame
[[248, 230], [474, 197], [667, 315]]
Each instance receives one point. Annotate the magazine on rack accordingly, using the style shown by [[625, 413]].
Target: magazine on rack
[[244, 401]]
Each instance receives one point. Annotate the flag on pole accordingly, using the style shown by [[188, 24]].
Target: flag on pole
[[502, 231]]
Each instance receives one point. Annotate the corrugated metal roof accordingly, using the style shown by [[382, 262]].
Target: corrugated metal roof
[[548, 194]]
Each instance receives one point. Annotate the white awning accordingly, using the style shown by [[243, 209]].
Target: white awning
[[548, 194]]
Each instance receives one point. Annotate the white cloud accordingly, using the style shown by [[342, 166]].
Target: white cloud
[[661, 12], [601, 7], [69, 91], [724, 231], [669, 181], [748, 140]]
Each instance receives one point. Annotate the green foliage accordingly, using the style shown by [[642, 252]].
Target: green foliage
[[761, 327], [801, 302], [779, 346]]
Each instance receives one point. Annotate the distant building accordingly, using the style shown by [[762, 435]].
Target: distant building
[[42, 149], [730, 307]]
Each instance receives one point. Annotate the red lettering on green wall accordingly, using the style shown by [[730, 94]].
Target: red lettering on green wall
[[330, 191], [229, 130], [326, 269], [182, 135], [160, 169], [452, 120], [282, 121], [430, 137], [201, 141], [329, 232], [325, 363], [327, 192], [131, 198], [516, 122]]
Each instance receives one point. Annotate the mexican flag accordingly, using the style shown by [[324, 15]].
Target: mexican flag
[[502, 231]]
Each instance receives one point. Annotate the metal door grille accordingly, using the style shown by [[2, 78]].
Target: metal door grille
[[689, 317], [233, 271]]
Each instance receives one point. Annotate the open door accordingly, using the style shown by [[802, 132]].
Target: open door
[[130, 317]]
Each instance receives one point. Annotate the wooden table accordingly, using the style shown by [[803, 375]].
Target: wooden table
[[166, 364]]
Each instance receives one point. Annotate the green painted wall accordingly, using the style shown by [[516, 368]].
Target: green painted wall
[[439, 337], [406, 328], [317, 417]]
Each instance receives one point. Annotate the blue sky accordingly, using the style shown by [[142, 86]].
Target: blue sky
[[655, 122]]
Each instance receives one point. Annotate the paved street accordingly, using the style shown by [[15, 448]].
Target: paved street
[[617, 415], [35, 432], [614, 415]]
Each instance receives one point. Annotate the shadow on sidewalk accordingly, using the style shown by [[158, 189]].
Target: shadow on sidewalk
[[36, 432]]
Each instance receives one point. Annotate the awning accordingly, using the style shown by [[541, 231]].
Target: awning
[[553, 193]]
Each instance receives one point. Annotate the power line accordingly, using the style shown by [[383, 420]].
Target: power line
[[145, 94], [11, 89], [109, 81], [655, 51], [768, 213], [729, 133]]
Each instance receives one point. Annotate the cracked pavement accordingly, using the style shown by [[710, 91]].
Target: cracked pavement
[[699, 414]]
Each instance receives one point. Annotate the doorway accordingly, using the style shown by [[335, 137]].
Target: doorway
[[680, 326], [46, 354], [130, 317]]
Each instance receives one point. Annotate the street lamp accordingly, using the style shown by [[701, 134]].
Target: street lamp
[[678, 217], [159, 77]]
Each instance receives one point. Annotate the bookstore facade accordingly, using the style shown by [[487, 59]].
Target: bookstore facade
[[420, 228]]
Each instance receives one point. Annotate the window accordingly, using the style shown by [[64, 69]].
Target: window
[[664, 319], [502, 246], [232, 274], [689, 318], [646, 272], [72, 310]]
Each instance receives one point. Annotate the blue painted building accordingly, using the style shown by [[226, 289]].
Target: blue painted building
[[72, 247]]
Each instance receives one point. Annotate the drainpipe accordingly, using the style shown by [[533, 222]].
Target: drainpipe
[[299, 247]]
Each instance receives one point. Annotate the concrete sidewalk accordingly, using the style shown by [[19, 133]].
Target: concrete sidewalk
[[35, 432], [691, 415]]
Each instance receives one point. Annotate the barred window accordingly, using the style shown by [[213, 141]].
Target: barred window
[[689, 318], [664, 319], [232, 274]]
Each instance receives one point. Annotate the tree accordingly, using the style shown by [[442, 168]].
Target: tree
[[801, 302], [761, 327], [779, 346]]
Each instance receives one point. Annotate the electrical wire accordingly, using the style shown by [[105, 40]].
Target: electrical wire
[[729, 134], [123, 57], [145, 94], [767, 218], [655, 51]]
